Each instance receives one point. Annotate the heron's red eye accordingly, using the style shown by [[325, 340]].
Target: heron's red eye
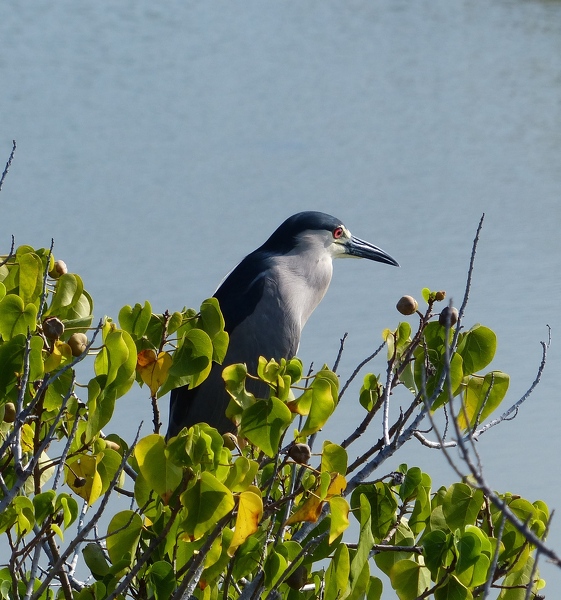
[[337, 232]]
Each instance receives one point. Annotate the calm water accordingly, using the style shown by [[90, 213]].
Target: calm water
[[158, 144]]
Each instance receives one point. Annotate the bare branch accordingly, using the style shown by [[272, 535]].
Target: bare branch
[[514, 408]]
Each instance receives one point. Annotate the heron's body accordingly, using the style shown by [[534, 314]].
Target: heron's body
[[266, 301]]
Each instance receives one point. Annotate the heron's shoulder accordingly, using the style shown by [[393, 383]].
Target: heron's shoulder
[[242, 288]]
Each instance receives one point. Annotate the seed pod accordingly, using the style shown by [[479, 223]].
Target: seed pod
[[448, 315], [78, 343], [230, 440], [439, 296], [59, 269], [297, 579], [9, 412], [300, 453], [407, 305], [80, 482], [53, 328]]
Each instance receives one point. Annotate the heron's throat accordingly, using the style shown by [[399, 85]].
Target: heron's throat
[[302, 284]]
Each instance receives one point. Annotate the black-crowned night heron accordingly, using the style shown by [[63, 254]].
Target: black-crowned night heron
[[266, 301]]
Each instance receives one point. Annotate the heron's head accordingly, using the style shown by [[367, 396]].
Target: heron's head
[[321, 234]]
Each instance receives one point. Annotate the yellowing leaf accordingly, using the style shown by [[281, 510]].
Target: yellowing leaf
[[250, 511], [311, 509], [83, 478], [338, 485], [154, 373], [61, 353], [145, 358]]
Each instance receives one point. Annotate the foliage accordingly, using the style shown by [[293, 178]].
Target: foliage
[[247, 516]]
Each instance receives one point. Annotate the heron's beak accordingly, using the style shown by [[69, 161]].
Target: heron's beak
[[361, 249]]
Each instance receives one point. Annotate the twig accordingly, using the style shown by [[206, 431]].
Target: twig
[[516, 405], [10, 253], [43, 301], [340, 353], [8, 164], [358, 369]]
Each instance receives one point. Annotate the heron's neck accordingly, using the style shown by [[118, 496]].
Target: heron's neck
[[302, 282]]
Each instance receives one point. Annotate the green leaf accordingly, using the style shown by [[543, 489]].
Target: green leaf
[[333, 458], [452, 590], [365, 543], [191, 363], [412, 480], [403, 536], [69, 507], [94, 558], [337, 575], [175, 321], [44, 505], [268, 370], [474, 557], [161, 579], [409, 579], [248, 555], [322, 405], [123, 535], [11, 359], [383, 506], [461, 505], [370, 391], [25, 515], [212, 322], [69, 289], [30, 277], [375, 589], [80, 314], [242, 474], [207, 501], [516, 581], [15, 317], [436, 545], [339, 508], [135, 320], [294, 369], [100, 406], [108, 467], [119, 361], [214, 570], [482, 396], [360, 583], [264, 422], [274, 567], [156, 468], [477, 348], [422, 507]]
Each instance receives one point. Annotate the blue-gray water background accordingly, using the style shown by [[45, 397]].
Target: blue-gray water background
[[160, 142]]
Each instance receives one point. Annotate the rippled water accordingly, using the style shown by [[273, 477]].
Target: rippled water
[[160, 143]]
